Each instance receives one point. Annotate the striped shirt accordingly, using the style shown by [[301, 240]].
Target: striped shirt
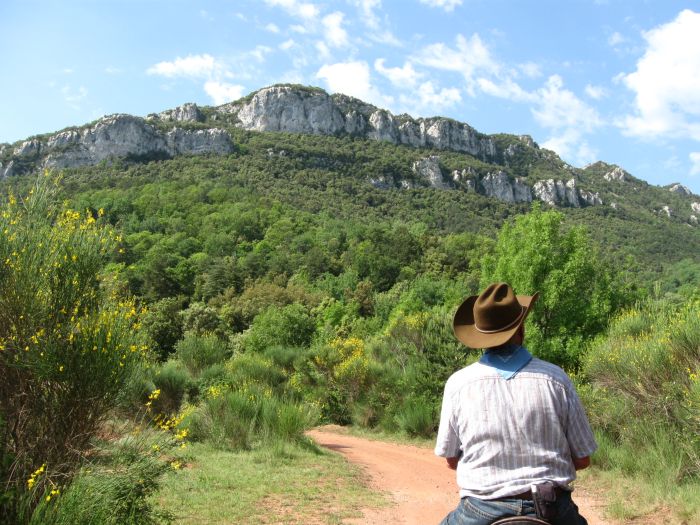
[[512, 433]]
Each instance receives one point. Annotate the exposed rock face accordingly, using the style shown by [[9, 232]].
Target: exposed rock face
[[118, 136], [499, 186], [695, 206], [429, 169], [558, 193], [186, 113], [668, 211], [617, 174], [680, 189], [693, 219], [285, 108]]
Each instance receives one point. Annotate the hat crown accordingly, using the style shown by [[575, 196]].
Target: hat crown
[[496, 309]]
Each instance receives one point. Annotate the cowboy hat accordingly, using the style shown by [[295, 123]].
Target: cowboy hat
[[491, 318]]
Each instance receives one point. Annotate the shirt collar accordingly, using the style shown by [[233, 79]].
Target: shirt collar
[[507, 361]]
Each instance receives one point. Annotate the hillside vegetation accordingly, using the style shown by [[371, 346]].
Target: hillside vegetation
[[238, 300]]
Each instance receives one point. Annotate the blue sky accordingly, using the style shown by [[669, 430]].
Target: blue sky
[[612, 80]]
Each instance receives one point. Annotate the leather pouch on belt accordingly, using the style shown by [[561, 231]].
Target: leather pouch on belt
[[544, 496]]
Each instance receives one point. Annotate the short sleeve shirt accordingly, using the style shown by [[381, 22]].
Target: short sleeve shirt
[[512, 433]]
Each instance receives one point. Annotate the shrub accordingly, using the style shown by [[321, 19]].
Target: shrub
[[645, 386], [174, 382], [197, 352], [237, 419], [164, 325], [68, 342], [416, 417], [291, 325]]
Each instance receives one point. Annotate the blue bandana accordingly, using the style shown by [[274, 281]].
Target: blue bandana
[[507, 361]]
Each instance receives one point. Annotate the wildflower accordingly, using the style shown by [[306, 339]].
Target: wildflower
[[175, 465]]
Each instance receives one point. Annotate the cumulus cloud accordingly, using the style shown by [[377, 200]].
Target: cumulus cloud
[[447, 5], [287, 44], [530, 69], [405, 76], [469, 57], [571, 145], [304, 10], [222, 92], [666, 82], [333, 30], [429, 97], [596, 92], [615, 39], [272, 28], [367, 10], [191, 66], [505, 88], [694, 163], [559, 108], [354, 79]]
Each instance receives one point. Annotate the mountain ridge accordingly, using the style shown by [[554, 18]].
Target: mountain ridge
[[519, 170]]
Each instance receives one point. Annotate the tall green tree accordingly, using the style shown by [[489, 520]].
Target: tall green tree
[[578, 292]]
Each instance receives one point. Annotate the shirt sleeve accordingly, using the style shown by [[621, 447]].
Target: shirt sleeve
[[448, 442], [578, 431]]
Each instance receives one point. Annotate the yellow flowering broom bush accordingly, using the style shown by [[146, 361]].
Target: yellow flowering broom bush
[[68, 342], [644, 391]]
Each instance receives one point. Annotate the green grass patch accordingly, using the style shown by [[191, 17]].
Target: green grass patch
[[280, 483]]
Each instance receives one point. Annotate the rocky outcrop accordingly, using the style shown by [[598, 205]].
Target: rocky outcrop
[[695, 206], [616, 174], [295, 110], [186, 113], [429, 169], [119, 136], [558, 193], [666, 210], [499, 186], [680, 189]]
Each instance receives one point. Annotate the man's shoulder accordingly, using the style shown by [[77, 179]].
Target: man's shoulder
[[545, 369], [468, 373]]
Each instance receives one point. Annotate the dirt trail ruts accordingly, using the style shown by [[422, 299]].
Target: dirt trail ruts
[[421, 486]]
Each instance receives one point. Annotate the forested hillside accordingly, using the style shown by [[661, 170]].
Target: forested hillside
[[282, 285]]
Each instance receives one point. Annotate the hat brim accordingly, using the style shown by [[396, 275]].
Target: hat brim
[[465, 330]]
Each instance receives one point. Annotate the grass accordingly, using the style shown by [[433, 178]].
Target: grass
[[642, 501], [280, 483]]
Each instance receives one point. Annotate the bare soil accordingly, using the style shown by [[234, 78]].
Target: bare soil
[[421, 489]]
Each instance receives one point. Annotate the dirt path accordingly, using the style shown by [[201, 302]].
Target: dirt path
[[423, 489]]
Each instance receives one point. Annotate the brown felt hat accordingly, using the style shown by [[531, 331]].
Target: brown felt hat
[[491, 318]]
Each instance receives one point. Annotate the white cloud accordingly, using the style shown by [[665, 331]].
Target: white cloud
[[299, 29], [596, 92], [571, 146], [367, 7], [695, 163], [429, 97], [272, 28], [259, 53], [530, 69], [323, 51], [354, 79], [404, 76], [447, 5], [615, 39], [195, 66], [111, 70], [222, 92], [287, 44], [666, 82], [469, 57], [506, 88], [304, 10], [559, 108], [333, 30]]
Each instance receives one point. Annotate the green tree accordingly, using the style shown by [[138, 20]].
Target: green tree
[[534, 253]]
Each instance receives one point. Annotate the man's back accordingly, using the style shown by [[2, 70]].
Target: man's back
[[511, 433]]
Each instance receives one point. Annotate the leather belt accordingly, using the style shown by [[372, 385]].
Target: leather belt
[[527, 495]]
